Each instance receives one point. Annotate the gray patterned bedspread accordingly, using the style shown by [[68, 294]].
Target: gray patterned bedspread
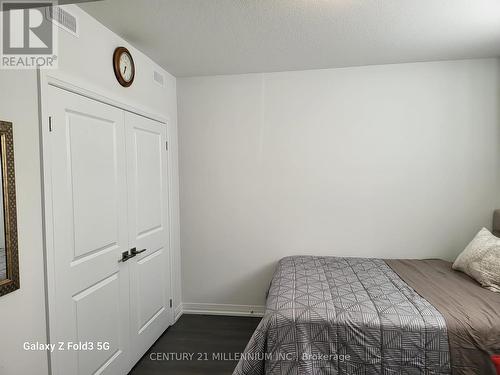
[[329, 315]]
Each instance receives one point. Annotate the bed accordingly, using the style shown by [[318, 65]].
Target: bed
[[331, 315]]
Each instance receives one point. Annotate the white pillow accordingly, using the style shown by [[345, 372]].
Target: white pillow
[[481, 260]]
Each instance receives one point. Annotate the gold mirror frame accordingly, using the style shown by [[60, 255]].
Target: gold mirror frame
[[11, 282]]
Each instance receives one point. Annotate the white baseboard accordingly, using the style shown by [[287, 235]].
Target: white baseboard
[[177, 312], [222, 309]]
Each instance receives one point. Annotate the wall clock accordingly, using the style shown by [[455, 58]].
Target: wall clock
[[124, 67]]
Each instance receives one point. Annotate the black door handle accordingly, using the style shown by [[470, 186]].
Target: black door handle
[[135, 252], [126, 256]]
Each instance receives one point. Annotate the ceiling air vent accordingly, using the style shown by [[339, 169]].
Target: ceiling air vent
[[63, 19], [158, 78]]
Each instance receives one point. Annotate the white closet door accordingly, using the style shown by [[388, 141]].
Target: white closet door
[[148, 231], [88, 172]]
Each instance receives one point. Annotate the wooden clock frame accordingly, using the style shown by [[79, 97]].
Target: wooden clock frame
[[116, 66]]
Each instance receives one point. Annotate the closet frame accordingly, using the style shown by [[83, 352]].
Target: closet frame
[[47, 79]]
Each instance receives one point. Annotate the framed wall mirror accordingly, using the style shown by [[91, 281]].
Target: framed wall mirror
[[9, 257]]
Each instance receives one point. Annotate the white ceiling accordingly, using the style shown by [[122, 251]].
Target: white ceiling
[[207, 37]]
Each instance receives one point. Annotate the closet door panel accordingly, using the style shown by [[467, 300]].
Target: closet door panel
[[97, 308], [92, 145], [150, 294], [148, 151], [89, 203], [148, 231]]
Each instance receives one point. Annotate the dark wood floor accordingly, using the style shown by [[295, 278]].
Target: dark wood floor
[[200, 339]]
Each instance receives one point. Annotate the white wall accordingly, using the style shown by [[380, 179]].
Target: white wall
[[380, 161], [22, 313], [87, 60]]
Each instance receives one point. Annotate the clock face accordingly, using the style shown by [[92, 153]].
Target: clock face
[[124, 67]]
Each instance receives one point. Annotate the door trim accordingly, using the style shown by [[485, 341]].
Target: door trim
[[68, 84], [45, 80]]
